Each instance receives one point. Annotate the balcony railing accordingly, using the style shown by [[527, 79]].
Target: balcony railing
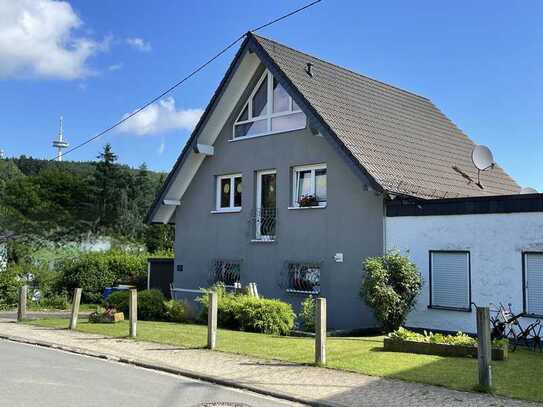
[[264, 224]]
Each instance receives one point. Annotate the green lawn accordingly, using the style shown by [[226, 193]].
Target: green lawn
[[519, 377]]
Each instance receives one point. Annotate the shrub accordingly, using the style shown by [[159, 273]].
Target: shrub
[[9, 285], [307, 315], [54, 301], [176, 311], [250, 313], [391, 286], [150, 304], [119, 301], [97, 270]]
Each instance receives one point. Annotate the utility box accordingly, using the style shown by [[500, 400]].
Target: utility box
[[160, 275]]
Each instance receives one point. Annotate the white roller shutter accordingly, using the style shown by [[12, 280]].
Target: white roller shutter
[[450, 280], [534, 283]]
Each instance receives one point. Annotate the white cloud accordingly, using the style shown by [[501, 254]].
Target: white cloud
[[37, 39], [115, 67], [139, 44], [161, 117]]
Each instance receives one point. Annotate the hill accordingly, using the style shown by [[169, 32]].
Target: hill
[[61, 201]]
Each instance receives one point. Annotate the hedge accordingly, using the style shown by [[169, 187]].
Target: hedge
[[248, 313], [97, 270]]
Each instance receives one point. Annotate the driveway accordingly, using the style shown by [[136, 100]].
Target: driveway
[[34, 376]]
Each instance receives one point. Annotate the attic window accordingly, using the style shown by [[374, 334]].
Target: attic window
[[270, 109]]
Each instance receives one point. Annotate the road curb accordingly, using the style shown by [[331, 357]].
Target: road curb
[[167, 369]]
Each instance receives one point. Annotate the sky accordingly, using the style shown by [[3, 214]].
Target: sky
[[95, 61]]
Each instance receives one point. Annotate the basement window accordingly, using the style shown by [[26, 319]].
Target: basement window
[[450, 280], [270, 109], [304, 278], [229, 192], [227, 272]]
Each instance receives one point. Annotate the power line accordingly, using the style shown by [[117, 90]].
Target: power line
[[190, 75]]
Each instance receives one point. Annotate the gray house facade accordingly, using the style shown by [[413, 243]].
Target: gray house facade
[[285, 179]]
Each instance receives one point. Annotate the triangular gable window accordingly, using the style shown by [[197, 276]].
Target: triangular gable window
[[270, 109]]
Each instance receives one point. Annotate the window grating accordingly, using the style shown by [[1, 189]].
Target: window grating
[[303, 277], [227, 272]]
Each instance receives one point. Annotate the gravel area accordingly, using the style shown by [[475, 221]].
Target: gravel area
[[311, 384]]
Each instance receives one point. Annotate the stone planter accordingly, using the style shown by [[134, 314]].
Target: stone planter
[[394, 345]]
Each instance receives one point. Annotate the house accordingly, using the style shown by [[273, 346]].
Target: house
[[289, 175]]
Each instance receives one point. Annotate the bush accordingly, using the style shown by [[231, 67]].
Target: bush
[[93, 272], [9, 285], [176, 311], [119, 301], [391, 286], [53, 301], [252, 314], [150, 304], [307, 315]]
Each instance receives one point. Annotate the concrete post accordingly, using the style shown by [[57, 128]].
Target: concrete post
[[320, 331], [212, 320], [484, 351], [133, 311], [21, 306], [75, 308], [255, 291]]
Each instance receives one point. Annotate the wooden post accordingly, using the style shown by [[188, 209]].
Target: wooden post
[[212, 320], [21, 306], [133, 311], [484, 351], [320, 331], [75, 308]]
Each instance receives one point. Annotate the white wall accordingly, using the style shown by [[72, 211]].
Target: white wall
[[496, 243]]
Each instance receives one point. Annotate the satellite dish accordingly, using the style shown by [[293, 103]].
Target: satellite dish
[[482, 158], [528, 190]]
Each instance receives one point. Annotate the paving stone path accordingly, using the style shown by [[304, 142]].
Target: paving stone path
[[314, 385]]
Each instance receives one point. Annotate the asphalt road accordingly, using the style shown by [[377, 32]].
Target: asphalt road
[[31, 376]]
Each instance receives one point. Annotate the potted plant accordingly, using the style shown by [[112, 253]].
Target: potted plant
[[308, 200]]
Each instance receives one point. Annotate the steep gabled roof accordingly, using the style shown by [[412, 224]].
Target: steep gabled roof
[[398, 140], [403, 140]]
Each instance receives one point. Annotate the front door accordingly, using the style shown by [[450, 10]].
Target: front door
[[266, 204]]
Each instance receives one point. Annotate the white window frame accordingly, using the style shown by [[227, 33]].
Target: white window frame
[[268, 115], [218, 193], [259, 174], [313, 168]]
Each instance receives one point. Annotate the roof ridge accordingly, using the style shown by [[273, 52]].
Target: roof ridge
[[344, 68]]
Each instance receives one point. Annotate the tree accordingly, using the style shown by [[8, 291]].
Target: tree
[[108, 185], [391, 286]]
